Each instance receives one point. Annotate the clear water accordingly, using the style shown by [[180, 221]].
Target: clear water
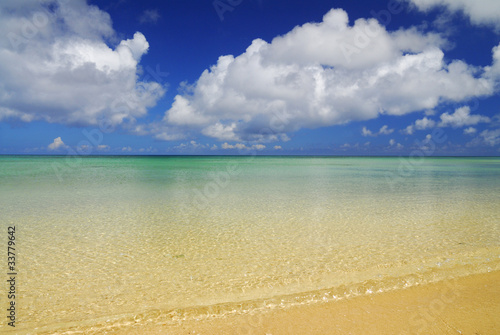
[[109, 242]]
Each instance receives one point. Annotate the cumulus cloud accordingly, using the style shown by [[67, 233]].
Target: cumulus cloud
[[491, 137], [470, 131], [58, 64], [409, 130], [366, 132], [393, 143], [420, 124], [277, 147], [424, 123], [461, 117], [57, 144], [384, 130], [480, 12], [322, 74]]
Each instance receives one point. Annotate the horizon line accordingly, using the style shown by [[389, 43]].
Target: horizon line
[[247, 155]]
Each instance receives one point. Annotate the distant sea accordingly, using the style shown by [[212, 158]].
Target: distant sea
[[119, 241]]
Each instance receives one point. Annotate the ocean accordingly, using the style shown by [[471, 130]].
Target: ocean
[[111, 242]]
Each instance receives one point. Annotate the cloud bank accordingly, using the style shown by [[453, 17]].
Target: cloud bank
[[323, 74]]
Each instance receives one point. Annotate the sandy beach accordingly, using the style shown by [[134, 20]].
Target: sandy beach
[[469, 305]]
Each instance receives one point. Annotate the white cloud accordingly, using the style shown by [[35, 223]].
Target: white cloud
[[226, 145], [384, 130], [241, 146], [480, 12], [424, 123], [149, 150], [420, 124], [470, 131], [56, 65], [408, 130], [366, 132], [221, 131], [193, 145], [491, 137], [461, 117], [127, 149], [304, 79], [493, 71], [277, 147], [57, 144], [393, 143]]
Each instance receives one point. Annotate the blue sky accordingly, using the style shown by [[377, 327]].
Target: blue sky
[[397, 77]]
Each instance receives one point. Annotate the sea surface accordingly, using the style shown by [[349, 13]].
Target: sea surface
[[115, 242]]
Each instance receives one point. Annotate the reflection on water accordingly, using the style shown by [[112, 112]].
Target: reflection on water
[[128, 240]]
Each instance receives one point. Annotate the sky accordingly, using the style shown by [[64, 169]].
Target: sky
[[270, 77]]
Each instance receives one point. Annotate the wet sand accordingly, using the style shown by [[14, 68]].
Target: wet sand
[[468, 305]]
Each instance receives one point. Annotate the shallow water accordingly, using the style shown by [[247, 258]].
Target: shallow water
[[115, 241]]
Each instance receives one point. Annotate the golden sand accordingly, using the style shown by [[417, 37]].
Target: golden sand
[[468, 305]]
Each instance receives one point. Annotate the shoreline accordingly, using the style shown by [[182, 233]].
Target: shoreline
[[467, 305]]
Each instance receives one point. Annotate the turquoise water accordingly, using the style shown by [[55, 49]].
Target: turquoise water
[[109, 242]]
